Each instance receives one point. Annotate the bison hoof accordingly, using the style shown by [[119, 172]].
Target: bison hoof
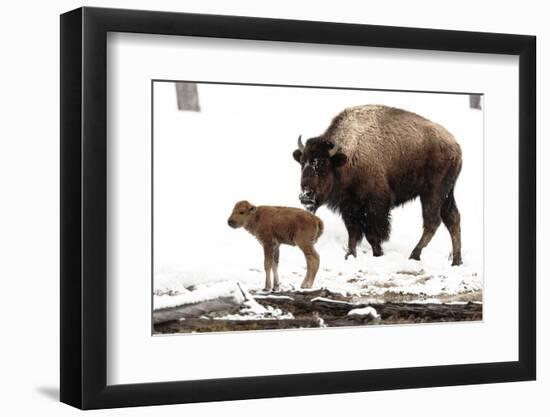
[[415, 256], [456, 262], [352, 253], [266, 289], [276, 289]]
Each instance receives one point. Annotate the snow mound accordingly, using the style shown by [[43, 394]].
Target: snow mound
[[330, 300], [230, 290], [365, 311]]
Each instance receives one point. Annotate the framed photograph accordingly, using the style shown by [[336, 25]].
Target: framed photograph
[[257, 208]]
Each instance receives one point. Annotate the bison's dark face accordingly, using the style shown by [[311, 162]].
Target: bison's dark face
[[319, 160]]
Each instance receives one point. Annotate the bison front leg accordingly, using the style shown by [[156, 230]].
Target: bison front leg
[[377, 230], [377, 221], [355, 233], [268, 265]]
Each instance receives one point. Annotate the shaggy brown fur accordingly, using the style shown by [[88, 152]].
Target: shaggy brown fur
[[273, 226], [373, 158]]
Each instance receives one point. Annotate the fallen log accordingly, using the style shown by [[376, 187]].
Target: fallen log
[[333, 308], [199, 325], [423, 313], [389, 313], [309, 309], [305, 302]]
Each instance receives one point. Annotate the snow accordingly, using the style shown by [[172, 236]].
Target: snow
[[250, 309], [272, 297], [240, 147], [329, 300], [227, 289], [365, 311], [268, 313]]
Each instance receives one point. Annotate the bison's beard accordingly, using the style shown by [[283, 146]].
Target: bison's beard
[[311, 207]]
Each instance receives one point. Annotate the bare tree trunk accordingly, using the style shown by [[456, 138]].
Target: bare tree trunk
[[188, 96], [475, 101]]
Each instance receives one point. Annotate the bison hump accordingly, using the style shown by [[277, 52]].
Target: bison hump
[[376, 134]]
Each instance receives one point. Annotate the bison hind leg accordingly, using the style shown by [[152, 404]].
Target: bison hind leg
[[431, 216], [451, 218]]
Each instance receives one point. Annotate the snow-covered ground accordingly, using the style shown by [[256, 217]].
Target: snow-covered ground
[[240, 147], [235, 292]]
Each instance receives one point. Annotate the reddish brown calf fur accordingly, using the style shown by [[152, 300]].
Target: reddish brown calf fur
[[274, 226]]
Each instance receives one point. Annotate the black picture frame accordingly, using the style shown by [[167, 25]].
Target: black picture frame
[[84, 209]]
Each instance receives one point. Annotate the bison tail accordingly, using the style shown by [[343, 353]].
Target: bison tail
[[320, 228], [449, 204]]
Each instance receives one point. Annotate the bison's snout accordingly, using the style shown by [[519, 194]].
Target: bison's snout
[[231, 223], [307, 198]]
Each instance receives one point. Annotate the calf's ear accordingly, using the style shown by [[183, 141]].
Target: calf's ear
[[297, 155], [252, 208], [339, 159]]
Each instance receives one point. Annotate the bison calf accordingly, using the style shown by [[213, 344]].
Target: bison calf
[[273, 226]]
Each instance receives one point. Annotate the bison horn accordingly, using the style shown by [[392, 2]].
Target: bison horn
[[300, 144], [334, 150]]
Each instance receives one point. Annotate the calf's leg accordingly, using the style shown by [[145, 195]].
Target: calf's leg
[[312, 261], [268, 264], [275, 267]]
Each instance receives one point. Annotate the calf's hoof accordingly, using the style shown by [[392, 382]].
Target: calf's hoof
[[457, 262]]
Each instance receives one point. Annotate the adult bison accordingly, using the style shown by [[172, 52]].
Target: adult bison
[[373, 158]]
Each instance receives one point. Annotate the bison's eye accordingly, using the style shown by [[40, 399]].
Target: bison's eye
[[241, 212]]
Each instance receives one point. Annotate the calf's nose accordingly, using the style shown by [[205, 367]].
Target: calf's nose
[[230, 222]]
